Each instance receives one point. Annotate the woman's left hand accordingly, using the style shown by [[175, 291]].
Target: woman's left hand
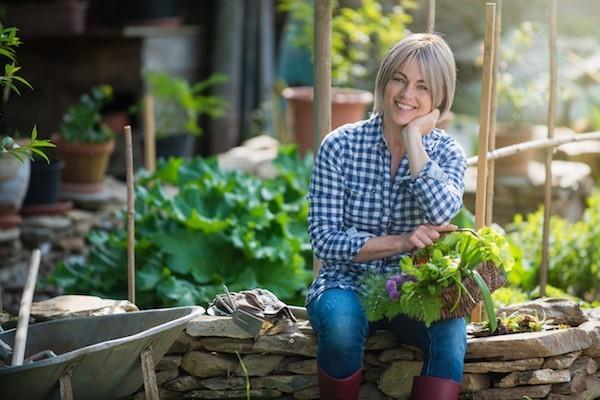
[[424, 124]]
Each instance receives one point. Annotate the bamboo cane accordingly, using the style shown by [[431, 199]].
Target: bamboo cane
[[25, 309], [484, 125], [431, 16], [149, 128], [549, 151], [322, 72], [489, 197], [130, 217], [534, 145]]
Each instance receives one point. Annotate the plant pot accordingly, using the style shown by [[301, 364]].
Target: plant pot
[[85, 163], [58, 17], [180, 145], [347, 105], [13, 185], [44, 183], [509, 134]]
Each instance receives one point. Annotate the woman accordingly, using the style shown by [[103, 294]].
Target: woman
[[381, 188]]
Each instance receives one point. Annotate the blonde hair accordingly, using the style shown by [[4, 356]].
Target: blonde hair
[[437, 66]]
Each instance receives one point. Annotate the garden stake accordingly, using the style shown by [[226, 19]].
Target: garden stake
[[484, 125], [25, 309], [431, 16], [322, 88], [130, 217], [149, 143], [549, 151]]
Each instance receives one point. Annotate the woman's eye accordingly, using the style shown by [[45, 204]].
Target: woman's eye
[[422, 87]]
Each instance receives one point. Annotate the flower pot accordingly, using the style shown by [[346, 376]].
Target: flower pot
[[347, 105], [180, 145], [44, 183], [509, 134], [13, 185], [84, 162]]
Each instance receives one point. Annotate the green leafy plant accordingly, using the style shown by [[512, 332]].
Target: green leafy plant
[[417, 293], [179, 104], [220, 228], [10, 82], [361, 35], [82, 123]]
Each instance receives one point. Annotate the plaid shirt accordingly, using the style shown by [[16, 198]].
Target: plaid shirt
[[353, 197]]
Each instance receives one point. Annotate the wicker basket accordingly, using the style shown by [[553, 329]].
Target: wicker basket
[[492, 276]]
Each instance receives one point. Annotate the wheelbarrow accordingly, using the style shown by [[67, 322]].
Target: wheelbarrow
[[98, 357]]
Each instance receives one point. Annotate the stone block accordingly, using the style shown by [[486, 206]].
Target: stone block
[[562, 361], [208, 325], [396, 380], [536, 377], [475, 382], [483, 367], [205, 365], [517, 393]]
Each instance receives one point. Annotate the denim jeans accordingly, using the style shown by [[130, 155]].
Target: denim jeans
[[337, 318]]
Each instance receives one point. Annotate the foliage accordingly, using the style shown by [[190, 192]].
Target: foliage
[[574, 251], [220, 228], [9, 79], [28, 150], [417, 293], [360, 36], [82, 123], [179, 104]]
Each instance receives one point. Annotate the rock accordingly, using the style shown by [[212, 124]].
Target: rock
[[53, 222], [208, 325], [577, 385], [78, 306], [305, 367], [222, 383], [593, 387], [555, 396], [592, 328], [369, 391], [562, 361], [169, 362], [372, 375], [475, 382], [205, 365], [166, 375], [593, 314], [560, 310], [10, 234], [258, 364], [398, 353], [184, 344], [233, 394], [483, 367], [371, 359], [285, 383], [183, 384], [287, 343], [584, 364], [308, 393], [528, 345], [396, 380], [227, 345], [380, 340], [517, 393], [536, 377]]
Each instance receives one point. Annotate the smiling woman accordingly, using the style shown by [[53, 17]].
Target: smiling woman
[[380, 189]]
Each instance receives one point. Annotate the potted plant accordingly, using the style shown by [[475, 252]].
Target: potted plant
[[14, 157], [85, 143], [178, 106], [360, 37]]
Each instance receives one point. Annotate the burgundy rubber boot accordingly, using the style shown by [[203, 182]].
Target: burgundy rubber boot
[[431, 388], [339, 389]]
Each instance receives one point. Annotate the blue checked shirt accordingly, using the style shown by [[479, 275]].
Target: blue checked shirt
[[353, 197]]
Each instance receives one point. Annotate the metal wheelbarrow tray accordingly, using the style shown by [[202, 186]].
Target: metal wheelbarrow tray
[[101, 353]]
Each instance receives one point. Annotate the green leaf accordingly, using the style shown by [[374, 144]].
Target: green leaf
[[487, 300]]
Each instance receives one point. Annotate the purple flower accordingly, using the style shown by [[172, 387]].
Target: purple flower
[[395, 282]]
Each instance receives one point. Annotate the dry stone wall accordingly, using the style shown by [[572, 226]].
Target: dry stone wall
[[215, 359]]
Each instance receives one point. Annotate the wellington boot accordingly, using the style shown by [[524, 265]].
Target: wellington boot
[[431, 388], [339, 389]]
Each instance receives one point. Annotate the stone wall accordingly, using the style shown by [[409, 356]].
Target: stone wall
[[204, 363]]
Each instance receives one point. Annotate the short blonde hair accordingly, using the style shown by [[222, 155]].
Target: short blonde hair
[[437, 66]]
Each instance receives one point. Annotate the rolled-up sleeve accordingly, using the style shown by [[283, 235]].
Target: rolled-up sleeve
[[439, 186], [329, 240]]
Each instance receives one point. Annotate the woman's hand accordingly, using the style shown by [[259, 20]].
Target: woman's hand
[[426, 234], [424, 124]]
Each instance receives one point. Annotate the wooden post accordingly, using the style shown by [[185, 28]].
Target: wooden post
[[489, 197], [431, 16], [130, 217], [549, 151], [150, 385], [484, 124], [322, 72], [20, 342], [149, 128], [65, 384]]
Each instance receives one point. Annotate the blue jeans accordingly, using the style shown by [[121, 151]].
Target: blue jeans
[[337, 318]]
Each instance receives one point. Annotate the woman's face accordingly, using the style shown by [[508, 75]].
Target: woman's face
[[406, 95]]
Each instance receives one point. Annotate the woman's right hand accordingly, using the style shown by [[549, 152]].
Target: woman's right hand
[[426, 234]]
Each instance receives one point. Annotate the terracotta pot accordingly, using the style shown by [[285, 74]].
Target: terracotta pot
[[84, 162], [509, 134], [347, 105]]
